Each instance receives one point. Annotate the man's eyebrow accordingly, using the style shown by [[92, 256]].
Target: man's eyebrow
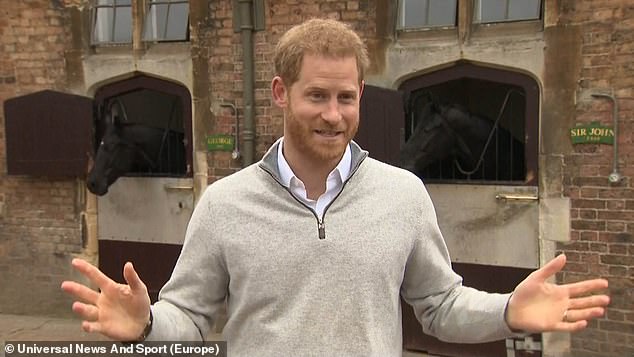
[[345, 91], [314, 88]]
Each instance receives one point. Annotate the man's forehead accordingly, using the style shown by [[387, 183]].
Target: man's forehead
[[314, 68]]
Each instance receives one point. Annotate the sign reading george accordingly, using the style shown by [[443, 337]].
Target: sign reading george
[[220, 142], [592, 133]]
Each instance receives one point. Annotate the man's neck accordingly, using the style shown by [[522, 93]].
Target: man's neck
[[313, 173]]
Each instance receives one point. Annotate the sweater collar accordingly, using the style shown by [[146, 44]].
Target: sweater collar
[[269, 161], [342, 170]]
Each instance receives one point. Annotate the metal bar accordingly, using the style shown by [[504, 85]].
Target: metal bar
[[178, 188], [515, 196], [167, 21]]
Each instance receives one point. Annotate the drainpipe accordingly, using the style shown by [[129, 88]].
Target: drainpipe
[[246, 33], [235, 154], [615, 176]]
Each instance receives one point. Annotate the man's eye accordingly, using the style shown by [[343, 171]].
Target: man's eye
[[346, 98], [317, 96]]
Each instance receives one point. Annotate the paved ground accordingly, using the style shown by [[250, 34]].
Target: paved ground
[[38, 328]]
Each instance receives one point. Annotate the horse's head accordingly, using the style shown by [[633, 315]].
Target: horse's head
[[115, 154], [429, 142], [115, 157]]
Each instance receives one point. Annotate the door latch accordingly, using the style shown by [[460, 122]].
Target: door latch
[[516, 196]]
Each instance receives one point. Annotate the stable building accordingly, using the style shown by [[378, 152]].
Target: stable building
[[515, 113]]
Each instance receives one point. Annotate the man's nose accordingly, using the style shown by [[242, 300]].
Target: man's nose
[[332, 112]]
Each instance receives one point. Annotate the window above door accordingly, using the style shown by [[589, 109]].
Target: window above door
[[416, 14], [167, 21], [436, 16], [115, 22], [112, 22], [492, 11]]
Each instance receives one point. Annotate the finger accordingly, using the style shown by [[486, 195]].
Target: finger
[[588, 302], [584, 314], [551, 268], [91, 272], [80, 291], [571, 326], [586, 286], [132, 278], [85, 311], [91, 326]]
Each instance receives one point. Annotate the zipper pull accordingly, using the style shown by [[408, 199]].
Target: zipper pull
[[322, 229]]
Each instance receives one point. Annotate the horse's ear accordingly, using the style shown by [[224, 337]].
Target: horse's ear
[[114, 113], [433, 100], [109, 116]]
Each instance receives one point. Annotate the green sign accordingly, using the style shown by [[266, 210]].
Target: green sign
[[592, 133], [220, 142]]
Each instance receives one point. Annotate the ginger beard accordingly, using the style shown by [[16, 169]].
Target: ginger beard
[[318, 140]]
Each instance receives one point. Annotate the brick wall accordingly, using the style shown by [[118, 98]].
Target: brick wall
[[39, 226], [602, 213]]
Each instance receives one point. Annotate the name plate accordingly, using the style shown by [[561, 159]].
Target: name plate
[[592, 133]]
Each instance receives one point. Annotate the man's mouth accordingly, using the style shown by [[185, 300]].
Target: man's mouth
[[328, 133]]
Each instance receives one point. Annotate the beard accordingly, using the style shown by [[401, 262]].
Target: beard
[[301, 135]]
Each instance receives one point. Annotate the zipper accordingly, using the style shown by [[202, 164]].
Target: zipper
[[321, 226]]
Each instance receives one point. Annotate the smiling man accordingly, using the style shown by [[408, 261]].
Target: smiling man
[[311, 248]]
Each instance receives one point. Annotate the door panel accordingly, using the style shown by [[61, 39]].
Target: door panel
[[486, 277], [381, 123], [48, 133], [489, 224], [146, 209], [153, 262]]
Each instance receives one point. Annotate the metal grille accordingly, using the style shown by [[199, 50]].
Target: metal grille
[[461, 144]]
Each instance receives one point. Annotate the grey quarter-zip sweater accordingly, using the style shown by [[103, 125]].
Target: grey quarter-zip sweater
[[297, 285]]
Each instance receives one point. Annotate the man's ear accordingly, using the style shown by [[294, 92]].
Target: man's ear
[[279, 92], [361, 89]]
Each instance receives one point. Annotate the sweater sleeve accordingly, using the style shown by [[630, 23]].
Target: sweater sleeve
[[445, 308], [197, 289]]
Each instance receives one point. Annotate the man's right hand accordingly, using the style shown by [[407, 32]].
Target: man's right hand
[[117, 311]]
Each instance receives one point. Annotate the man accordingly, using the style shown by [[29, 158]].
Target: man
[[312, 246]]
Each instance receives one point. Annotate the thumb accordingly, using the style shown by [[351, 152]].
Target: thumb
[[132, 278], [551, 268]]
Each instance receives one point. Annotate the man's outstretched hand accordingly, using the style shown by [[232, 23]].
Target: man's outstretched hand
[[539, 306], [117, 311]]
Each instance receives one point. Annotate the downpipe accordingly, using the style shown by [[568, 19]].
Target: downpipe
[[615, 176], [247, 28]]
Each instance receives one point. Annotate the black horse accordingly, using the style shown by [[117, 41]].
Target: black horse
[[449, 142], [134, 148]]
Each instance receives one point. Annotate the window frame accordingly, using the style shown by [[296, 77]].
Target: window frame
[[506, 19], [467, 28], [111, 22], [400, 26], [163, 37]]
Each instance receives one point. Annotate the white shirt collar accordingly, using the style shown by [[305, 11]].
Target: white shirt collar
[[287, 174]]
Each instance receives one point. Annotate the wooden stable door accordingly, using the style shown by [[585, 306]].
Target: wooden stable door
[[143, 216]]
